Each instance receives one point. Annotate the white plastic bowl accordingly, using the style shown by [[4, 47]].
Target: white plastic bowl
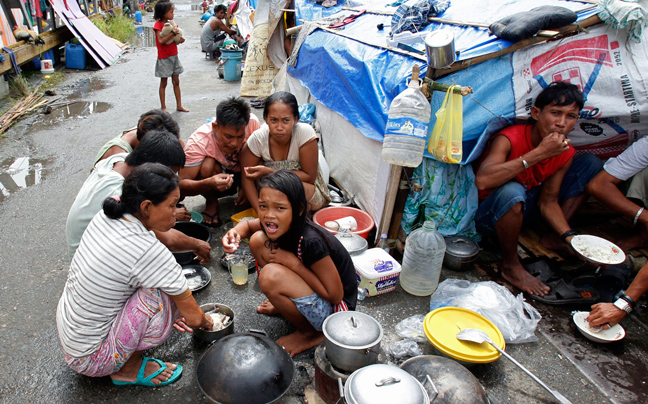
[[615, 333], [617, 256]]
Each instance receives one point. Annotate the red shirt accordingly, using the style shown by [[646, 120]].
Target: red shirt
[[520, 138], [164, 50]]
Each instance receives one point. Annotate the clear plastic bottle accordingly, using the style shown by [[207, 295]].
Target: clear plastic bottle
[[407, 125], [383, 243], [422, 260]]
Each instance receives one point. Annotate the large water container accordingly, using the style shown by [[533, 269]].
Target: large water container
[[232, 67], [407, 126], [138, 16], [422, 260], [75, 56]]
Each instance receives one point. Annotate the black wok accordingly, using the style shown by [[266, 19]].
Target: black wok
[[244, 368]]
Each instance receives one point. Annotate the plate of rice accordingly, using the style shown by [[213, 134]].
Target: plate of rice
[[597, 250]]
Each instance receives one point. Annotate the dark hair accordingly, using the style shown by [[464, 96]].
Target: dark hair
[[288, 183], [150, 181], [156, 119], [560, 93], [233, 112], [281, 96], [220, 7], [161, 8], [158, 146]]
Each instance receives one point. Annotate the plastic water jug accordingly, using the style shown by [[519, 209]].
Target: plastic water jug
[[422, 260], [75, 56], [407, 125], [138, 16]]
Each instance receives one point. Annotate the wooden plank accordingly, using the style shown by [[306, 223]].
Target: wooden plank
[[25, 52], [390, 200]]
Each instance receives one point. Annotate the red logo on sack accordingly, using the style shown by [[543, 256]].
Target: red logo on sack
[[590, 50], [571, 75]]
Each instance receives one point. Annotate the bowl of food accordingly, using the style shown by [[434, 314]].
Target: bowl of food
[[597, 334], [198, 277], [597, 250], [195, 230], [223, 318]]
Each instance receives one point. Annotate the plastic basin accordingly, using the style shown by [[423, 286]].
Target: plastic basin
[[365, 221]]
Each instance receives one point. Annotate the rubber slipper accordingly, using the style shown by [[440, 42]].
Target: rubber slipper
[[147, 381], [213, 224], [562, 293], [541, 271]]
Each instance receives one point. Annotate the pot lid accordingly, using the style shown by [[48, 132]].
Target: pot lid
[[461, 246], [352, 329], [384, 384], [353, 243], [442, 325], [439, 38]]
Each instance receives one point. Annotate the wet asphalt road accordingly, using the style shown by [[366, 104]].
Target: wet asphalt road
[[34, 256]]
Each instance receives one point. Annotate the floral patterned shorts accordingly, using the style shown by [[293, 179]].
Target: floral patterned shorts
[[314, 308]]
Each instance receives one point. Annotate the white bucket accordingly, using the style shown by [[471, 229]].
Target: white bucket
[[47, 66]]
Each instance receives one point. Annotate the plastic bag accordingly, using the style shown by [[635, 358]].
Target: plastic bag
[[405, 347], [447, 136], [515, 318], [412, 327]]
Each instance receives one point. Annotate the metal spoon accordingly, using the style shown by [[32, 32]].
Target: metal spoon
[[479, 336]]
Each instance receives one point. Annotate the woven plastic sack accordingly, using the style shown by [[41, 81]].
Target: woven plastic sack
[[447, 136], [515, 318]]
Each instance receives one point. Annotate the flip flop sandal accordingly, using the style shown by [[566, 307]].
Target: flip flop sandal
[[147, 381], [213, 224], [563, 293], [541, 271]]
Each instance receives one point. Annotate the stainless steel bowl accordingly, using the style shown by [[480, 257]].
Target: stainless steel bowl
[[209, 336]]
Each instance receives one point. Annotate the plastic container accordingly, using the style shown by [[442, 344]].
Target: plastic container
[[383, 244], [246, 213], [46, 66], [422, 260], [365, 221], [138, 16], [75, 56], [377, 271], [232, 66], [407, 126]]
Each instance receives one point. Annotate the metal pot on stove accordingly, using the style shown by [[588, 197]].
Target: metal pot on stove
[[379, 383], [352, 340]]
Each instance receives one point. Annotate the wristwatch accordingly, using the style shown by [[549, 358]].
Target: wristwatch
[[623, 305]]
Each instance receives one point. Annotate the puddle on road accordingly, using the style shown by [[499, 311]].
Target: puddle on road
[[76, 110], [87, 86], [21, 172], [145, 37]]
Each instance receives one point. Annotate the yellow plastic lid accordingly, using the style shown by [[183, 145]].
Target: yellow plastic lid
[[442, 325]]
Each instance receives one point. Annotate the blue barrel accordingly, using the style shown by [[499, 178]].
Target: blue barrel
[[232, 67], [75, 56], [138, 16], [205, 17]]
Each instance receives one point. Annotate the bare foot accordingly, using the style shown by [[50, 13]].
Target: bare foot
[[298, 342], [267, 308], [128, 373], [182, 109], [523, 280], [165, 110]]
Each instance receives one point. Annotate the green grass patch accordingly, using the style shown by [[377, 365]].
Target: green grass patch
[[119, 27]]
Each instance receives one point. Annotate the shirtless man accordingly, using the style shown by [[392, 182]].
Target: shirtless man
[[212, 168], [530, 171], [215, 30]]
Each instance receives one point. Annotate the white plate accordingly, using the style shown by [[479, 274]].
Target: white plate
[[616, 333], [617, 256]]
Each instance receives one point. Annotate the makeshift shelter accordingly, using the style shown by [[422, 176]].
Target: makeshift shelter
[[352, 74]]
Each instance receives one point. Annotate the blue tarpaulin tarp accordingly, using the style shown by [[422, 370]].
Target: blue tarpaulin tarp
[[359, 81]]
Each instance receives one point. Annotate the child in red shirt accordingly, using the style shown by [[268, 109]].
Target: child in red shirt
[[168, 63]]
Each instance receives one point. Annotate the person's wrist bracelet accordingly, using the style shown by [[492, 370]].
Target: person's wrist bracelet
[[623, 305], [566, 234], [524, 163], [628, 299], [636, 218]]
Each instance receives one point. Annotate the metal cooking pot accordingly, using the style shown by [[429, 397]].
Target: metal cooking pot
[[382, 384], [440, 48], [451, 382], [209, 336], [461, 253], [352, 340], [353, 243], [245, 368], [195, 230]]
